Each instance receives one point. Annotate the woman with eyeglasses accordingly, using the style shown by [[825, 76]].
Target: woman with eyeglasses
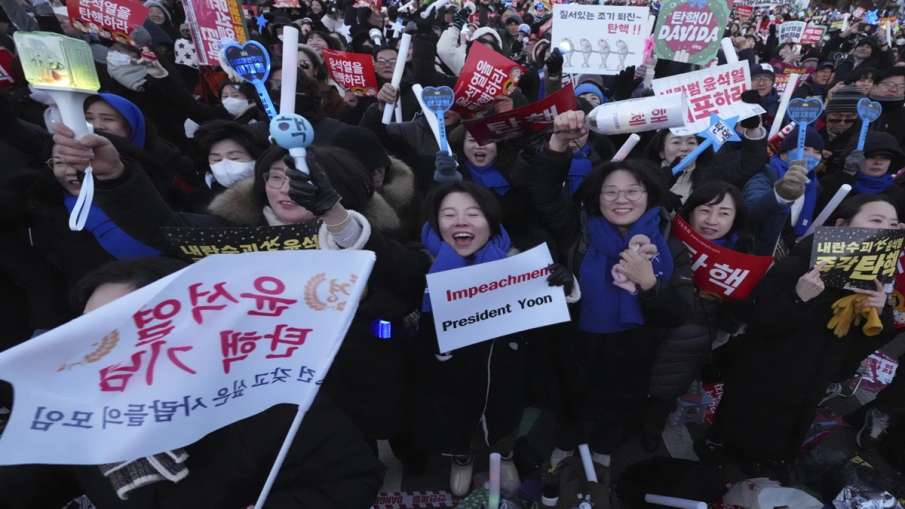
[[366, 379], [633, 290], [890, 92]]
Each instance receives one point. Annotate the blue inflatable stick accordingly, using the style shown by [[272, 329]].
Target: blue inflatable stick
[[294, 133]]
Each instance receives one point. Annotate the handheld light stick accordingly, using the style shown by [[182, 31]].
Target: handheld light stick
[[289, 129], [587, 463], [404, 44], [251, 62], [803, 112], [493, 495], [439, 100], [830, 207], [783, 104], [868, 111], [626, 147], [720, 131]]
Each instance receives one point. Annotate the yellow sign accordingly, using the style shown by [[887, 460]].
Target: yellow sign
[[58, 62]]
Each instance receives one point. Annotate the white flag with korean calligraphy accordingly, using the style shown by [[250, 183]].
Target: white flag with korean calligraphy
[[163, 366]]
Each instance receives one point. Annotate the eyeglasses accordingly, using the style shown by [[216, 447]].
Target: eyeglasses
[[892, 85], [841, 120], [633, 194], [276, 179], [384, 61]]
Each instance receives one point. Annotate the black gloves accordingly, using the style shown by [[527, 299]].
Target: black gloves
[[445, 169], [624, 84], [461, 18], [854, 162], [313, 191], [560, 275], [751, 97], [554, 63]]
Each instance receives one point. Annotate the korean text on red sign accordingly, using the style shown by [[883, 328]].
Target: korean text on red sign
[[111, 19], [486, 75], [352, 71], [212, 21], [532, 118], [718, 271]]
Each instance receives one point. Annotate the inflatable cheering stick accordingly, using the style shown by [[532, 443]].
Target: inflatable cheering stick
[[868, 111], [250, 62], [803, 112], [294, 133], [720, 131]]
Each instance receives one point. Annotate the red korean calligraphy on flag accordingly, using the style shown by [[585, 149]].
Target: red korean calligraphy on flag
[[212, 21], [485, 75], [536, 117], [159, 368], [111, 19], [352, 71], [718, 271], [812, 34]]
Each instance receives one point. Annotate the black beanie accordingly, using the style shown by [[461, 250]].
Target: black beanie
[[883, 144], [844, 100], [812, 139], [364, 145]]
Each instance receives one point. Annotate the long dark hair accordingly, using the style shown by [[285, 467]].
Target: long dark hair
[[485, 199], [852, 205], [642, 171], [713, 192]]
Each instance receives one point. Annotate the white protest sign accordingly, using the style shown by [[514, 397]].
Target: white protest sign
[[600, 39], [158, 369], [791, 31], [716, 89], [489, 300]]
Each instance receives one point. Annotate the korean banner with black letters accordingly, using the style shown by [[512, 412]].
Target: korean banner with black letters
[[194, 243], [720, 272], [536, 117], [161, 367], [855, 257]]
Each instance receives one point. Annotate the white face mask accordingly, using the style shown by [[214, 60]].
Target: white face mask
[[116, 59], [228, 172], [235, 106]]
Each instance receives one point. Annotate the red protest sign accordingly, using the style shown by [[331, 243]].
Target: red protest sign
[[212, 21], [111, 19], [718, 271], [532, 118], [352, 71], [288, 4], [744, 12], [485, 75], [782, 79], [812, 34]]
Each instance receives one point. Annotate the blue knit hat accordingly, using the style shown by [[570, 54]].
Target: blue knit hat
[[811, 139], [133, 115], [589, 87]]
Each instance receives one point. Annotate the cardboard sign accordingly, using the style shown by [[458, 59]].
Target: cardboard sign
[[744, 12], [352, 71], [57, 62], [533, 118], [813, 34], [193, 243], [690, 30], [110, 19], [600, 39], [716, 89], [493, 299], [720, 272], [485, 75], [161, 367], [855, 257], [791, 31], [781, 80], [212, 21]]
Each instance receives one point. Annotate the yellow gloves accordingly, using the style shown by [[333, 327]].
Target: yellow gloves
[[844, 313]]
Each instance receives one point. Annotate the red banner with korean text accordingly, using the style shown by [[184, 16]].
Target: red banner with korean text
[[744, 12], [720, 272], [212, 21], [110, 19], [812, 34], [352, 71], [485, 75], [782, 79], [536, 117]]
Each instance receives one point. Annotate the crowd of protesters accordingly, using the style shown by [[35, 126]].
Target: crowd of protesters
[[178, 144]]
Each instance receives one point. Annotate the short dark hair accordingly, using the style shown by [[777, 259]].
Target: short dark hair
[[350, 179], [215, 131], [643, 171], [657, 144], [488, 203], [138, 272], [713, 192], [852, 205]]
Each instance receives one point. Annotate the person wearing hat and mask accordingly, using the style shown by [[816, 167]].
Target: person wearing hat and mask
[[783, 197], [840, 126], [762, 79], [591, 92], [868, 171], [816, 82]]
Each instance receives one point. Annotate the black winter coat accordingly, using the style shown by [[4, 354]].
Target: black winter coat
[[779, 371]]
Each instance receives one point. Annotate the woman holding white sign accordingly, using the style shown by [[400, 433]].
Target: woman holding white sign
[[477, 388]]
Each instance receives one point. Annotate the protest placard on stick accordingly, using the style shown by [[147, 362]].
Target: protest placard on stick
[[600, 39], [690, 30]]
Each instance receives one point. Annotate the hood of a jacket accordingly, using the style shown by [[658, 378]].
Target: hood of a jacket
[[238, 206]]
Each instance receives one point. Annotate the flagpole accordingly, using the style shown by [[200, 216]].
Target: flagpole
[[281, 457]]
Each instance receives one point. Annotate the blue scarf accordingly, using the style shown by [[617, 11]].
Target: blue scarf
[[605, 307], [873, 185], [579, 168], [114, 241], [810, 195], [489, 177], [727, 241], [446, 258]]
